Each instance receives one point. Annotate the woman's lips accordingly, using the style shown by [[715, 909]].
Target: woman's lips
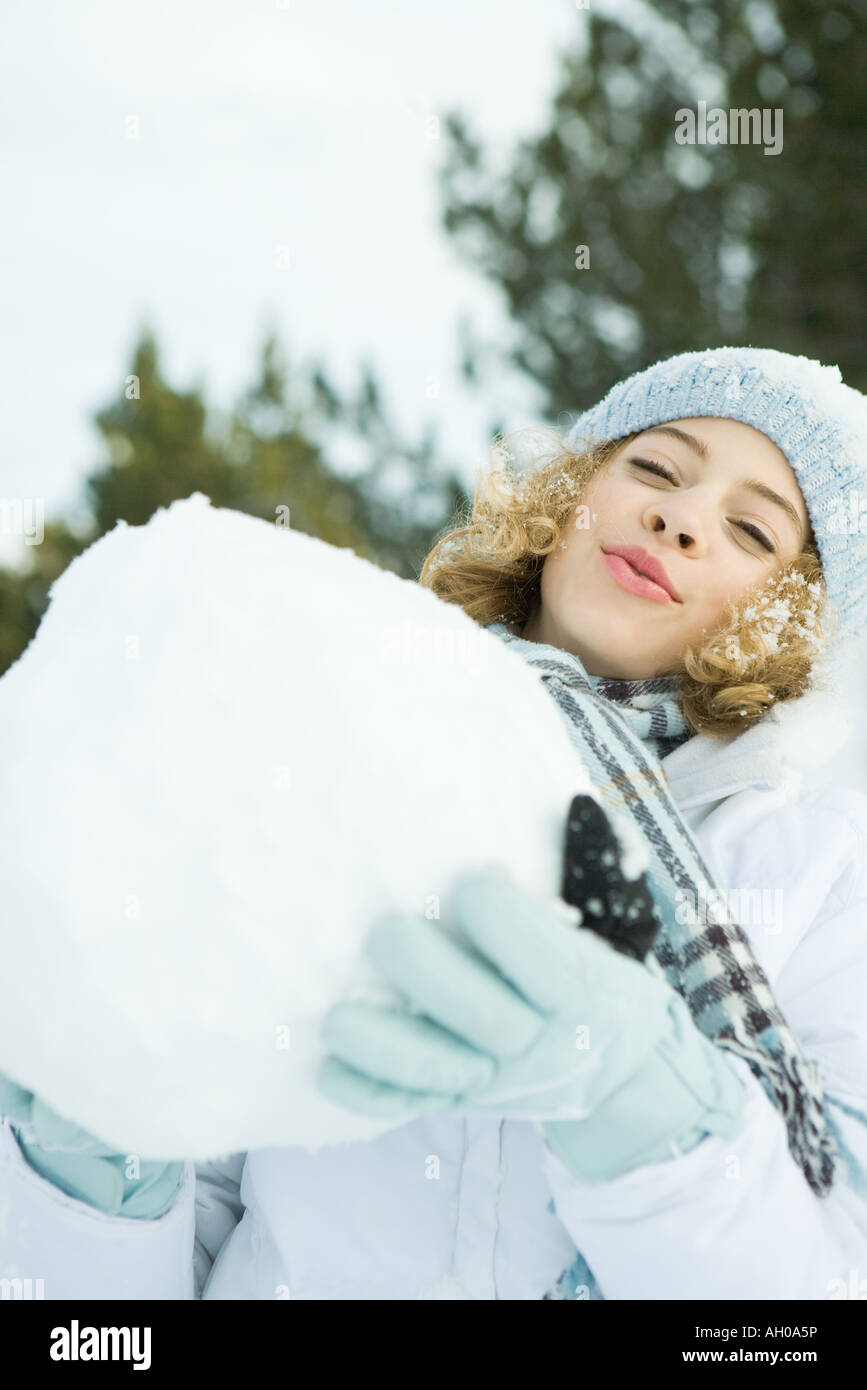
[[632, 581]]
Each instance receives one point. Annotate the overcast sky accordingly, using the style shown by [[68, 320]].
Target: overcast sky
[[156, 158]]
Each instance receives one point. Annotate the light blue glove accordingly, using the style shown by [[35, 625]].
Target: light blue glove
[[535, 1018], [82, 1166]]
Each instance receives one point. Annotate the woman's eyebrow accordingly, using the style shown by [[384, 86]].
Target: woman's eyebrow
[[770, 496], [753, 484], [697, 444]]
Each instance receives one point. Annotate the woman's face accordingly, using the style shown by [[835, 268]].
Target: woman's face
[[728, 515]]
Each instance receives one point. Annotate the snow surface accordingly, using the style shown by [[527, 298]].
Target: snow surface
[[229, 748]]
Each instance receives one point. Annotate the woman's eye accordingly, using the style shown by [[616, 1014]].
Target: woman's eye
[[759, 535], [654, 468]]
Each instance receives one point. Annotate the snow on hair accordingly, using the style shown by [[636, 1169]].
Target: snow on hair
[[489, 560]]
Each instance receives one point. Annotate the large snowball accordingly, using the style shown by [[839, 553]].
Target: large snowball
[[229, 748]]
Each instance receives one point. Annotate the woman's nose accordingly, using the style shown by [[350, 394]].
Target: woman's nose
[[678, 527]]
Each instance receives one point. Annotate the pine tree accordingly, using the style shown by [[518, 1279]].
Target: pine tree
[[266, 458], [689, 246]]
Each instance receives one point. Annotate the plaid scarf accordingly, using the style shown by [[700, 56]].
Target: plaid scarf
[[622, 728]]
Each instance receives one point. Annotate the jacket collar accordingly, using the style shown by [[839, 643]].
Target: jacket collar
[[793, 739], [707, 769]]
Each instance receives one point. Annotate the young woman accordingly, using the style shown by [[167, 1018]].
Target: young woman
[[584, 1121]]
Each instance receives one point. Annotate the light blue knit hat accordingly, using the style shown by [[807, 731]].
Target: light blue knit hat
[[804, 407]]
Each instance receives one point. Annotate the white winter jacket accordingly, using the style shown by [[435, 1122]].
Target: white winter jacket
[[479, 1208]]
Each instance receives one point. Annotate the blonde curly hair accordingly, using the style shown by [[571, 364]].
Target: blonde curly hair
[[489, 560]]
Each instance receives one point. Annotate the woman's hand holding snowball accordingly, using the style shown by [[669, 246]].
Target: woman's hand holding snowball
[[529, 1016], [83, 1166]]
